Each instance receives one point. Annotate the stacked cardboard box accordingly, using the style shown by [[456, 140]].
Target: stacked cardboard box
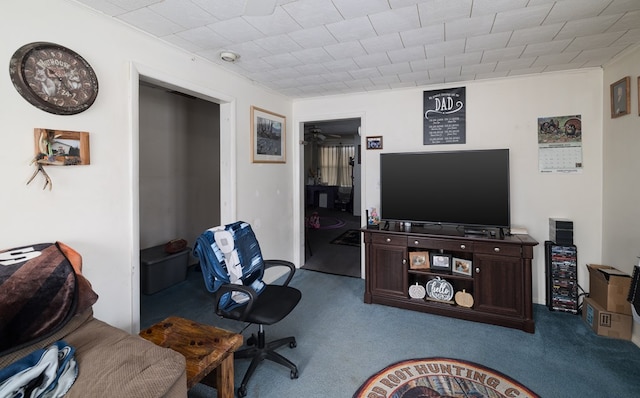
[[607, 310]]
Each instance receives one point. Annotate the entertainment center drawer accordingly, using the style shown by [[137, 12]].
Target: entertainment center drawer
[[388, 239], [498, 248], [436, 244]]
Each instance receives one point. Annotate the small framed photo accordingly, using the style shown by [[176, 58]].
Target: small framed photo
[[620, 97], [462, 266], [374, 142], [61, 148], [440, 262], [268, 136], [419, 260]]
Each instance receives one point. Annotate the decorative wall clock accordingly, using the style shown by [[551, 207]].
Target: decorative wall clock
[[53, 78]]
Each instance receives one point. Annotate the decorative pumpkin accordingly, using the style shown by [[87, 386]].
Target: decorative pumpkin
[[464, 299], [440, 289], [417, 291]]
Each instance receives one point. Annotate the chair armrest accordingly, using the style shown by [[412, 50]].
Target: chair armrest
[[279, 263], [230, 288]]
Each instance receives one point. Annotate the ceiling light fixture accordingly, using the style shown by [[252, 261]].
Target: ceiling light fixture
[[229, 56]]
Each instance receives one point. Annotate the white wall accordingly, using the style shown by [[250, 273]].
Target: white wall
[[500, 114], [96, 202], [621, 211], [179, 166]]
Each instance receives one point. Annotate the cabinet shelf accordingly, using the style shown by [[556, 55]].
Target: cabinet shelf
[[500, 283]]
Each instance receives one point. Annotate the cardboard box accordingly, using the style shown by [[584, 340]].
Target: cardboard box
[[606, 323], [609, 287]]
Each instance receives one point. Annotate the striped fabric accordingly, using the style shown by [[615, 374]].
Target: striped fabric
[[38, 294]]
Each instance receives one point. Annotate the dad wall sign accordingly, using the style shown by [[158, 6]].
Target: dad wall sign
[[444, 113]]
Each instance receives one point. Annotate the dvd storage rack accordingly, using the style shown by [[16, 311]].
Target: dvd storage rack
[[562, 277]]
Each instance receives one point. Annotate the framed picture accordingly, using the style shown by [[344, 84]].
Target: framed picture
[[374, 142], [462, 266], [268, 136], [61, 148], [440, 262], [419, 260], [620, 97]]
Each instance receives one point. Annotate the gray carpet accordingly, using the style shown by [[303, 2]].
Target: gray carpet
[[342, 342]]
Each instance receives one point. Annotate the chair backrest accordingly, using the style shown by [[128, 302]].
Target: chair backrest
[[230, 254]]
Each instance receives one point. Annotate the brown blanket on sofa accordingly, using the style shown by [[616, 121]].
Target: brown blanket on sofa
[[114, 363]]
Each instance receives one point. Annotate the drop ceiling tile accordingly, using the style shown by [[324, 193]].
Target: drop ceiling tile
[[203, 37], [275, 24], [413, 76], [185, 14], [462, 59], [365, 73], [311, 13], [104, 6], [426, 64], [490, 7], [151, 22], [395, 20], [553, 47], [600, 55], [313, 55], [286, 73], [500, 54], [247, 50], [569, 10], [538, 34], [311, 69], [345, 64], [358, 8], [437, 11], [254, 65], [618, 6], [631, 37], [492, 75], [345, 50], [561, 67], [278, 44], [395, 69], [372, 60], [282, 60], [285, 83], [310, 80], [353, 29], [378, 80], [463, 28], [520, 63], [445, 72], [131, 5], [388, 42], [427, 35], [587, 42], [487, 42], [407, 54], [445, 48], [522, 18], [312, 37], [413, 84], [336, 76], [556, 59], [526, 71], [220, 9], [236, 30], [475, 69], [587, 27], [361, 83], [630, 20], [182, 43]]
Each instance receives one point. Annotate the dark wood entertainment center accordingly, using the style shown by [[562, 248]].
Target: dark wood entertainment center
[[500, 282]]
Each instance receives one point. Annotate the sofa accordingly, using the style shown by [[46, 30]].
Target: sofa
[[110, 362]]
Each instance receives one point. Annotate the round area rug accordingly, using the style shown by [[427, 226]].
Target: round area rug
[[440, 377], [331, 223]]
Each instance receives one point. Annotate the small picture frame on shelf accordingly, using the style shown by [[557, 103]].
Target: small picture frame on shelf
[[440, 261], [462, 266], [419, 260]]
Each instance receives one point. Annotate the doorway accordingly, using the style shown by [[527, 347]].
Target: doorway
[[332, 196]]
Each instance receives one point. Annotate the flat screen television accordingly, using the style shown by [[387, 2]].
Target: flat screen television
[[467, 188]]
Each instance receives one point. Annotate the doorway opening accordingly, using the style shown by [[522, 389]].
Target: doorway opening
[[331, 158]]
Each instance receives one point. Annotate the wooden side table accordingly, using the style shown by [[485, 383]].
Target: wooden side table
[[206, 348]]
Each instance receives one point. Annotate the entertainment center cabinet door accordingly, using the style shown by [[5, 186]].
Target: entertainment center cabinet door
[[388, 266], [498, 285]]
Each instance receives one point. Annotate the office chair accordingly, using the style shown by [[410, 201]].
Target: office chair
[[232, 268]]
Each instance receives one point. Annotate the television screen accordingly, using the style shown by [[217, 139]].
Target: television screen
[[462, 188]]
